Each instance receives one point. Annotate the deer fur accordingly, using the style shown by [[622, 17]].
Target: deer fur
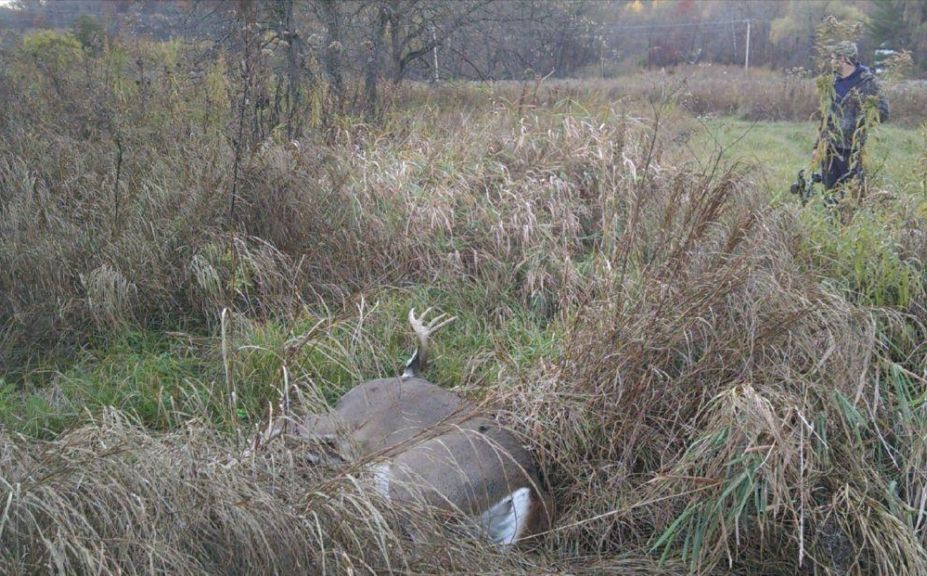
[[477, 468]]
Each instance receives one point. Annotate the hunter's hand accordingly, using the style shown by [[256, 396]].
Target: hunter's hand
[[814, 157]]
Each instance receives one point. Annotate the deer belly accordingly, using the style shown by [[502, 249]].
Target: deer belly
[[503, 520]]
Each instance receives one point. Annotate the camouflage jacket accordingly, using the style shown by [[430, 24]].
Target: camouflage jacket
[[845, 127]]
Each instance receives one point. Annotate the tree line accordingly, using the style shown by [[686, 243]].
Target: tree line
[[507, 39]]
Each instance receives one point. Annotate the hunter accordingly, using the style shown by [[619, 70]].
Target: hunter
[[844, 129]]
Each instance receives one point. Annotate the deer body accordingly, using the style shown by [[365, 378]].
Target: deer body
[[428, 445]]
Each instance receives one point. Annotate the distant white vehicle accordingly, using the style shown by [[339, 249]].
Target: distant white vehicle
[[881, 56]]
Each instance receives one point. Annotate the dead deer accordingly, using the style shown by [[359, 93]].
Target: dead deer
[[426, 444]]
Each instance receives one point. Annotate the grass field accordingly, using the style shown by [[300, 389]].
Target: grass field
[[713, 378], [781, 149], [147, 372]]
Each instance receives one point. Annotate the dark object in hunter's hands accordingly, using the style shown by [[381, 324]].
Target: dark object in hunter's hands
[[804, 187]]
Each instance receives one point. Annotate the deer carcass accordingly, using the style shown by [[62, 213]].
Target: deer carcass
[[428, 445]]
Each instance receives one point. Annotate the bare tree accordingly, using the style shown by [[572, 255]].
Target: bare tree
[[330, 14], [373, 48]]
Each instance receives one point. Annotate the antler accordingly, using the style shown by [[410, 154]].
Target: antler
[[424, 331]]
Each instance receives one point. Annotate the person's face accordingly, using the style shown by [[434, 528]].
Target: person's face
[[836, 62]]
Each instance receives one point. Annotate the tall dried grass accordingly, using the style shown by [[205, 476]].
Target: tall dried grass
[[718, 404], [378, 206], [109, 498], [714, 401], [715, 406]]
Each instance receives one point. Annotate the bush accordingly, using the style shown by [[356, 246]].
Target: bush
[[90, 33]]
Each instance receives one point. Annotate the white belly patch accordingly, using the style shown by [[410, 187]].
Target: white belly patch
[[381, 475], [506, 519]]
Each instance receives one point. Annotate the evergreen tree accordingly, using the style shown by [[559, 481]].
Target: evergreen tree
[[899, 23]]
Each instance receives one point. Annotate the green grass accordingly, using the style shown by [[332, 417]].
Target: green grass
[[164, 379], [865, 258], [150, 375], [781, 149]]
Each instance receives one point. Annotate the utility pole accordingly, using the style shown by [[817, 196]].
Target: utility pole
[[434, 43], [747, 50]]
